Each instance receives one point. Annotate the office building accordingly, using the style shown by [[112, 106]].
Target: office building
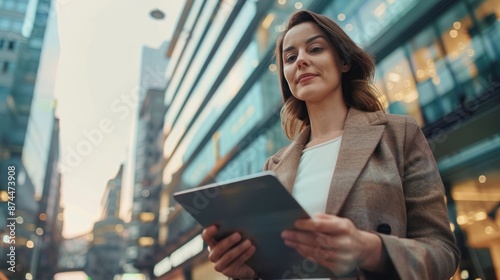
[[143, 227], [73, 253], [146, 163], [437, 61], [107, 245], [27, 120], [50, 218]]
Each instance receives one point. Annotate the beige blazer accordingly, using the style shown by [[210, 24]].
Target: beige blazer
[[386, 181]]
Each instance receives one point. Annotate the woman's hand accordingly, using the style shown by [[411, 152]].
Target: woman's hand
[[228, 258], [335, 243]]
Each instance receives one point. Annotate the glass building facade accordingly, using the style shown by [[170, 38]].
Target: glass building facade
[[438, 61], [26, 127]]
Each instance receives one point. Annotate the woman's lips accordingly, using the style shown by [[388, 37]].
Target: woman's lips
[[305, 77]]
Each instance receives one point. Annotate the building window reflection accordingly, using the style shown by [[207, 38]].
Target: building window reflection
[[478, 215], [451, 61], [488, 15], [398, 84], [365, 21], [464, 51], [435, 82]]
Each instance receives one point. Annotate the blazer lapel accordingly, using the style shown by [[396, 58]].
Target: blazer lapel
[[362, 133], [288, 162]]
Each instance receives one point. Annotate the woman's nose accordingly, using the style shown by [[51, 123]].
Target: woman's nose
[[302, 59]]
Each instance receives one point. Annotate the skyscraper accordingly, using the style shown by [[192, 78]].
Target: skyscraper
[[23, 27], [104, 252], [147, 161]]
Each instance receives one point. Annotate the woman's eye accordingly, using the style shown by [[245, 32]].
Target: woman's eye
[[316, 49], [289, 58]]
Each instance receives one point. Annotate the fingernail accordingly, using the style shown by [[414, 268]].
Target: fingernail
[[236, 237]]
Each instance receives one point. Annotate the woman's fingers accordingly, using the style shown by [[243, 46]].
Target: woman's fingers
[[239, 267], [315, 249], [332, 241], [325, 223], [229, 254], [208, 235], [245, 256], [314, 240], [338, 261], [223, 246], [232, 258]]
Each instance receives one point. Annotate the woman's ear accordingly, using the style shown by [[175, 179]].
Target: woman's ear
[[346, 67]]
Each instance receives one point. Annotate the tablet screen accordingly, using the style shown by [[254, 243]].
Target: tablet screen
[[259, 208]]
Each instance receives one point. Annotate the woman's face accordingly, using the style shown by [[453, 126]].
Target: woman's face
[[312, 68]]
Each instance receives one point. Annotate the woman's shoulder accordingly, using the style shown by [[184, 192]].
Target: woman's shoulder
[[275, 158], [393, 121], [402, 128], [401, 121]]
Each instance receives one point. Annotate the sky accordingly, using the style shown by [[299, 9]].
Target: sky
[[100, 45]]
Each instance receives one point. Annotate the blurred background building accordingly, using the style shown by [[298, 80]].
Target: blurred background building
[[437, 61], [146, 155], [107, 245], [29, 135], [49, 225], [73, 253]]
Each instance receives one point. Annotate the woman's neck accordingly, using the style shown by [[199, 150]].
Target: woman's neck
[[326, 123]]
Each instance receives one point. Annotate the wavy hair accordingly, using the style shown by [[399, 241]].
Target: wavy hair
[[358, 90]]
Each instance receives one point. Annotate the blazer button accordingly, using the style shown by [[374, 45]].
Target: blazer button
[[384, 229]]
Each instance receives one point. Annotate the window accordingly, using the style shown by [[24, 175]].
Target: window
[[364, 21], [451, 61], [435, 83], [465, 50], [41, 19], [4, 24], [208, 77], [16, 26], [488, 15], [5, 67], [9, 4], [21, 6], [36, 43], [397, 82], [12, 45], [187, 72]]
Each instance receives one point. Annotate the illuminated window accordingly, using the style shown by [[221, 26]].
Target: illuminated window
[[465, 51], [398, 84], [435, 82], [488, 15]]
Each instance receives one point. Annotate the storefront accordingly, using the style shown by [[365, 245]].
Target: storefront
[[189, 261]]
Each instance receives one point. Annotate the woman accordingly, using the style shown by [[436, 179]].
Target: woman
[[370, 177]]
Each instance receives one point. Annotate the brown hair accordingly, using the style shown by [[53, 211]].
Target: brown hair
[[357, 83]]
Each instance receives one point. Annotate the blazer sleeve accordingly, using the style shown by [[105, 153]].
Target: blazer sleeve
[[429, 250]]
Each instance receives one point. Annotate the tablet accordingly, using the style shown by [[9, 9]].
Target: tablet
[[259, 208]]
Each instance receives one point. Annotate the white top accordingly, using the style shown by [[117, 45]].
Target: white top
[[314, 175]]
